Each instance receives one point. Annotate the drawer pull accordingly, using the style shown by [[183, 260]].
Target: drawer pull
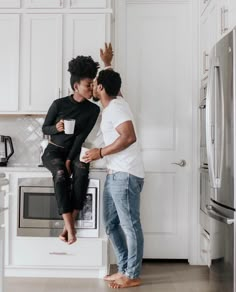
[[2, 226], [58, 253]]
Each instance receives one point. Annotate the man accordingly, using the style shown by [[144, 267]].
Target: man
[[124, 181]]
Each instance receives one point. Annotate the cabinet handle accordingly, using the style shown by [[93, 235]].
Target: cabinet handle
[[60, 3], [59, 92], [205, 67], [2, 226], [205, 1], [68, 91], [224, 26]]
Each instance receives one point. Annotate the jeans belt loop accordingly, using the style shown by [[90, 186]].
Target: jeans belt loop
[[110, 171]]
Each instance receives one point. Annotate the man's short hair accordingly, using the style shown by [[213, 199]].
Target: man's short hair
[[110, 80]]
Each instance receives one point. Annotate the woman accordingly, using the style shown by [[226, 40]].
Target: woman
[[61, 156]]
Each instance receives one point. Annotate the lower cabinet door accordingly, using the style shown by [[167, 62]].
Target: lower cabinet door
[[2, 237], [205, 248], [53, 252]]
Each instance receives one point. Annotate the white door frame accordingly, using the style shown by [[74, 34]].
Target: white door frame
[[119, 30]]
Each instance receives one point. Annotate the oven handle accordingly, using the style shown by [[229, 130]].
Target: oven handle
[[215, 215]]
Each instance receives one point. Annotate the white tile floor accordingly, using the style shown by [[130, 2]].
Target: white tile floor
[[156, 276]]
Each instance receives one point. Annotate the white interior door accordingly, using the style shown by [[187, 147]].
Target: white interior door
[[158, 87]]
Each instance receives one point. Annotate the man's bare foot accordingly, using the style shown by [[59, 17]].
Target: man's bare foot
[[64, 235], [125, 282], [113, 277]]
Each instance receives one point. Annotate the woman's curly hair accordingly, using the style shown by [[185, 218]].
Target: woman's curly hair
[[82, 67]]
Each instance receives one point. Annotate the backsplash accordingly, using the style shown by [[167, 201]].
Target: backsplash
[[26, 134]]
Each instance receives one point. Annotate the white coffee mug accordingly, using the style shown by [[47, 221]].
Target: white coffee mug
[[69, 126], [82, 153]]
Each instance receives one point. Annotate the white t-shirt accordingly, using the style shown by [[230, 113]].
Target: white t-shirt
[[128, 160]]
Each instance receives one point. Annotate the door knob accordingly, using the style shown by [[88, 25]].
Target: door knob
[[182, 163]]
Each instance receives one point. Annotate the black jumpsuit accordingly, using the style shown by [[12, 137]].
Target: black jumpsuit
[[69, 196]]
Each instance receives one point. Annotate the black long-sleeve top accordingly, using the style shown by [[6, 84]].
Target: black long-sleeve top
[[85, 114]]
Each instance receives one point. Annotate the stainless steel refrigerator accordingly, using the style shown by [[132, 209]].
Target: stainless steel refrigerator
[[221, 150]]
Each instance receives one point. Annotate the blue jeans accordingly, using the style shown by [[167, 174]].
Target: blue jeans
[[121, 204]]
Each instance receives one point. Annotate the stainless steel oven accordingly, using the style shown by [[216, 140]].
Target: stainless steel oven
[[38, 212]]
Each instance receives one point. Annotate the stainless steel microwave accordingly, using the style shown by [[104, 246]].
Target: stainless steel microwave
[[38, 212]]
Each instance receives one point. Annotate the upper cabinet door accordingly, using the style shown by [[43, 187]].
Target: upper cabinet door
[[41, 66], [44, 3], [223, 16], [9, 60], [232, 13], [80, 38], [203, 5], [9, 3], [88, 3]]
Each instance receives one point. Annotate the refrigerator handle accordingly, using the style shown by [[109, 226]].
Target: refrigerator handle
[[215, 215], [210, 127], [222, 127]]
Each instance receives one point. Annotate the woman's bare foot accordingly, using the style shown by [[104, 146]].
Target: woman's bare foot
[[64, 235], [71, 237], [125, 282], [113, 277]]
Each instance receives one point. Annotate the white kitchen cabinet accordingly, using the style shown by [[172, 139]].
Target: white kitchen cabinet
[[48, 256], [44, 4], [88, 3], [205, 247], [2, 240], [41, 61], [10, 3], [80, 39], [208, 32], [50, 43], [232, 13], [9, 60], [37, 46], [204, 52], [223, 17], [2, 236]]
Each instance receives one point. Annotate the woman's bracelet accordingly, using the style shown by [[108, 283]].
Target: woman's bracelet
[[100, 153]]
